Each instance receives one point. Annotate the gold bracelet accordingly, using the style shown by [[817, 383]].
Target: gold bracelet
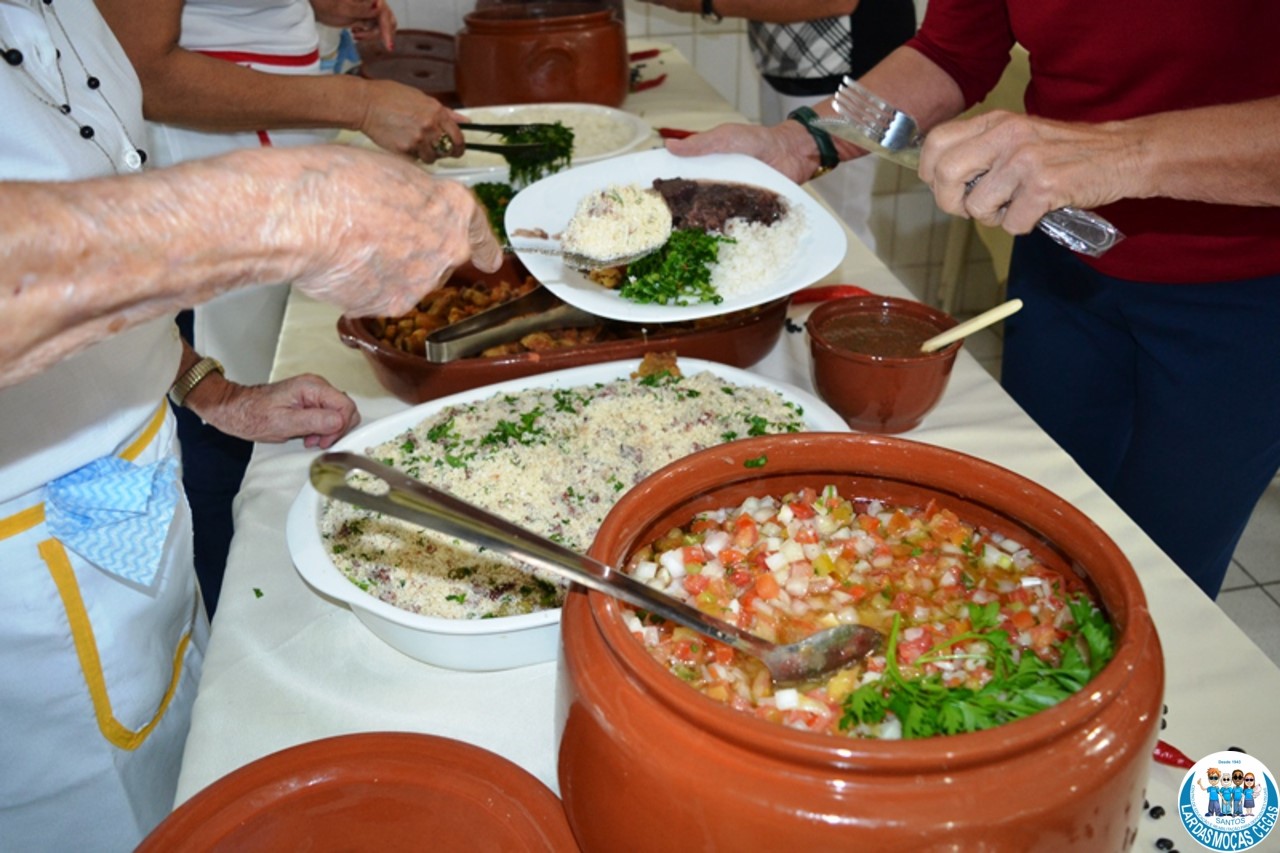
[[195, 374]]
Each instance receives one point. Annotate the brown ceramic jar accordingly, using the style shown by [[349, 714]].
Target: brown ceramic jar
[[542, 53], [878, 392], [647, 763]]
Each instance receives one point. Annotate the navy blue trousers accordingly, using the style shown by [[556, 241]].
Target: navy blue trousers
[[213, 465], [1168, 395]]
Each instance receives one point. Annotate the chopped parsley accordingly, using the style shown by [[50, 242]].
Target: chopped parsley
[[1022, 682], [677, 274]]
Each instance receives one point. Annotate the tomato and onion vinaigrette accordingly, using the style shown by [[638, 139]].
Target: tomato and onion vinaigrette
[[979, 630]]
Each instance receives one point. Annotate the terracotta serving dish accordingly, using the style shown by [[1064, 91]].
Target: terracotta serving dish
[[878, 393], [647, 762], [739, 340], [542, 52], [372, 791]]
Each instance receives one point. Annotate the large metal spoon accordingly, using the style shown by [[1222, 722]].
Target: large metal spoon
[[417, 503]]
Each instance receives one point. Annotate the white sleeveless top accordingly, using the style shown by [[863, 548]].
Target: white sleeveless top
[[83, 407]]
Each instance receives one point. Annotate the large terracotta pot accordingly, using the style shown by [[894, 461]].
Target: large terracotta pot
[[647, 763], [542, 53]]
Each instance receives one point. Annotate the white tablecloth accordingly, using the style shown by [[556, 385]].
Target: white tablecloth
[[286, 666]]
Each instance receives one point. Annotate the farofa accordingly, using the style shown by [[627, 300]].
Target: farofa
[[551, 460]]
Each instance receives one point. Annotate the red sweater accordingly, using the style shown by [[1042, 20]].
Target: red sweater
[[1099, 60]]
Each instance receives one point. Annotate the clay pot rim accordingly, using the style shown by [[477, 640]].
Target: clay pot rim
[[864, 304], [563, 13], [1122, 597]]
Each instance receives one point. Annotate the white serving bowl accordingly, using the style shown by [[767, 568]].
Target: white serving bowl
[[478, 644]]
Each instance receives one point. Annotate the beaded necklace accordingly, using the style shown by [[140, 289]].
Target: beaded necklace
[[133, 159]]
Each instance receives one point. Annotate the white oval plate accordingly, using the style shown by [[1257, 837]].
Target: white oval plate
[[631, 130], [550, 203], [480, 644]]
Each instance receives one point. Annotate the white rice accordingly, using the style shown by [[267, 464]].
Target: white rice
[[759, 254]]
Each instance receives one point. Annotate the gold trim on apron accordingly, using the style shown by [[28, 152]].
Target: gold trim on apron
[[59, 565]]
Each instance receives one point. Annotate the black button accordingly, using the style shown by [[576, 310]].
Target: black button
[[93, 82], [65, 109], [86, 132], [142, 154], [13, 56]]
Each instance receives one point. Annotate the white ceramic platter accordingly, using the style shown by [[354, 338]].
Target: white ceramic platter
[[480, 644], [550, 203], [600, 132]]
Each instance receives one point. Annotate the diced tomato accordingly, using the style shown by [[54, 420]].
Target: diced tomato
[[869, 523], [802, 510], [740, 577], [857, 591], [1023, 620], [695, 554], [745, 531], [723, 654], [730, 557], [806, 536], [909, 650], [694, 584], [767, 586]]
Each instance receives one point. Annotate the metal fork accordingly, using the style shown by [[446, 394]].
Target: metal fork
[[870, 122]]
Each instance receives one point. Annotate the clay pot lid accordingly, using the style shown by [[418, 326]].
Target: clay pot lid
[[434, 77], [411, 43], [372, 791]]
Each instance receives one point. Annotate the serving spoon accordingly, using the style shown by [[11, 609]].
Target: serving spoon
[[973, 324], [413, 501]]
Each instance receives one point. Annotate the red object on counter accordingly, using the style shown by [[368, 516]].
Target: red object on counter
[[641, 85], [828, 291], [674, 133], [639, 55], [1166, 753]]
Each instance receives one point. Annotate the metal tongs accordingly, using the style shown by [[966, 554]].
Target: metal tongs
[[524, 148], [411, 500], [535, 311], [870, 122]]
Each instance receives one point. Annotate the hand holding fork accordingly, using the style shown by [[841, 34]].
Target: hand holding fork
[[871, 123]]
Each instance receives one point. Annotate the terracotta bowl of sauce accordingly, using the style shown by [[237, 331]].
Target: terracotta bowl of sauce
[[867, 365], [647, 762]]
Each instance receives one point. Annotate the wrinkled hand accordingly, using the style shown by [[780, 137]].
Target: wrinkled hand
[[367, 19], [786, 147], [377, 232], [406, 120], [1027, 167], [305, 407]]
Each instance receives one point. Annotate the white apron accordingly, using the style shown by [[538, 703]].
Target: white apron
[[97, 674], [240, 329]]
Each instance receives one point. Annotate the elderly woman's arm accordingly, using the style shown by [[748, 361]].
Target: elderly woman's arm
[[189, 89], [364, 230]]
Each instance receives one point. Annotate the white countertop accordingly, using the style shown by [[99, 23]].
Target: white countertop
[[286, 666]]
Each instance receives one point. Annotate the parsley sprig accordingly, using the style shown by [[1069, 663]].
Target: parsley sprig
[[1021, 684]]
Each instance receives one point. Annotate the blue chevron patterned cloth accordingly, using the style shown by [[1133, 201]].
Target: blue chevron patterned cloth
[[115, 514]]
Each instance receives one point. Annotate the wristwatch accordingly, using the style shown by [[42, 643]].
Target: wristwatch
[[828, 158], [709, 12], [194, 375]]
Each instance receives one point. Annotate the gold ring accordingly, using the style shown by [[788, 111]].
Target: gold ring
[[443, 146]]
